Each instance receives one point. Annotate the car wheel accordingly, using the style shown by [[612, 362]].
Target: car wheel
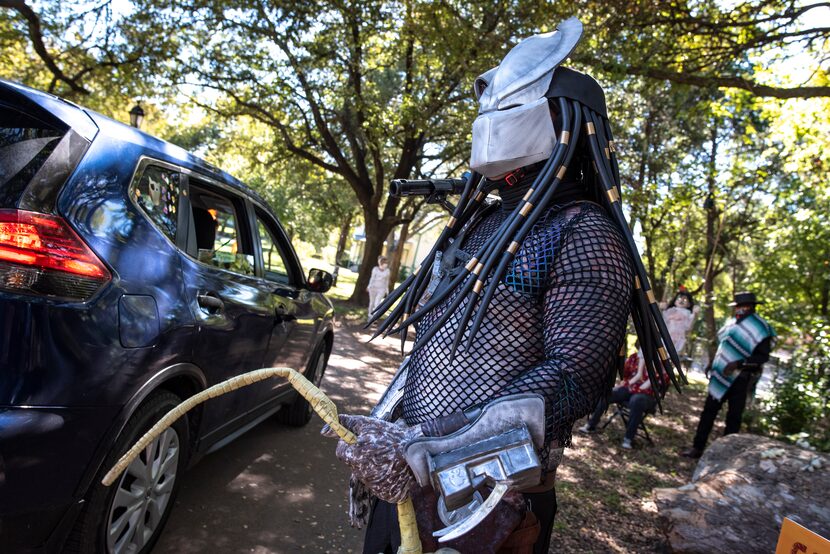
[[127, 518], [299, 412]]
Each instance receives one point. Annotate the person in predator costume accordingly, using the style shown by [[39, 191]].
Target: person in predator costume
[[524, 298]]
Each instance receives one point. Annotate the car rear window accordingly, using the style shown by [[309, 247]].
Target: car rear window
[[25, 145], [157, 192]]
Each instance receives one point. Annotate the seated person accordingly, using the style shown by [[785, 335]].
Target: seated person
[[637, 390]]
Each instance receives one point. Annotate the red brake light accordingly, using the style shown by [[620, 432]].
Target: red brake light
[[46, 242]]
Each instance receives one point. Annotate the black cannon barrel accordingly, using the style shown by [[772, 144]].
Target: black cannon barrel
[[424, 187]]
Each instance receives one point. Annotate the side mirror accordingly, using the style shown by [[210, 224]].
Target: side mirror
[[319, 280]]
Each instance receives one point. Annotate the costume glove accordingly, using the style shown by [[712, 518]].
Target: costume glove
[[377, 458]]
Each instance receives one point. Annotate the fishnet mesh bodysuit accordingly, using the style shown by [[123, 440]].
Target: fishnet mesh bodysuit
[[554, 326]]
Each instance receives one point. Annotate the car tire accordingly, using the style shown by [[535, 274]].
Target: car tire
[[108, 508], [299, 412]]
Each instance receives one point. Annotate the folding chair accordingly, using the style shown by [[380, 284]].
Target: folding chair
[[622, 411]]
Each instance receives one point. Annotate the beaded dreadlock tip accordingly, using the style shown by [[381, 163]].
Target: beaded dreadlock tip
[[437, 299], [382, 329], [404, 333], [452, 357], [395, 331], [436, 325], [380, 311], [462, 331], [371, 320], [419, 313], [482, 308], [454, 349], [407, 321], [424, 339], [471, 337], [387, 303]]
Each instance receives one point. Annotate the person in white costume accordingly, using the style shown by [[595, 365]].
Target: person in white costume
[[378, 284], [679, 316]]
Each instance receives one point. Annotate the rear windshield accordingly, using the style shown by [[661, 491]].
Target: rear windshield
[[25, 145]]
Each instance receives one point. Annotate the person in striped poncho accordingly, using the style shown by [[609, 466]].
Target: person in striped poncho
[[745, 345]]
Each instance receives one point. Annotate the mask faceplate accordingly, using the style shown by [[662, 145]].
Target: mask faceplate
[[505, 140], [514, 127]]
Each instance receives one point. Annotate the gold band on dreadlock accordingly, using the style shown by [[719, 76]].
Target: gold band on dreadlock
[[507, 256], [456, 222], [651, 329], [506, 229], [672, 353], [415, 293], [418, 279], [491, 252]]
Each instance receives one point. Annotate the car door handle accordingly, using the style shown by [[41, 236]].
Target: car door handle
[[281, 312], [211, 303]]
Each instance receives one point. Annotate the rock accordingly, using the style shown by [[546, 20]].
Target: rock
[[768, 466], [741, 490]]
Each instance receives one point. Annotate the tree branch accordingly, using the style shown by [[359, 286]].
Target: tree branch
[[36, 36], [361, 188], [721, 82]]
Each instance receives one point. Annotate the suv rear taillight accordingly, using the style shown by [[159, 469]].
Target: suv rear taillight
[[41, 254]]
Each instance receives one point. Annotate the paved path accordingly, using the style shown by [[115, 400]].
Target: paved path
[[279, 489]]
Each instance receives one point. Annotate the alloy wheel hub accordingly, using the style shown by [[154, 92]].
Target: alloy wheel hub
[[142, 496]]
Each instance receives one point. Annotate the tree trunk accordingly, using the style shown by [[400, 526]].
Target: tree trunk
[[639, 201], [341, 244], [666, 276], [650, 260], [709, 286], [397, 255], [709, 274]]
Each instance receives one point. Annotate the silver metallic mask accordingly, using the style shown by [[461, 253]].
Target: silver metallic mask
[[514, 127]]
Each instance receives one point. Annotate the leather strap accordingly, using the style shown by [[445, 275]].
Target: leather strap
[[522, 539], [548, 482]]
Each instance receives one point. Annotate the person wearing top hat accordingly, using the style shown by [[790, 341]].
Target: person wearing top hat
[[745, 344]]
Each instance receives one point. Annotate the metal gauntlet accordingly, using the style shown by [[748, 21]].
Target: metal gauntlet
[[497, 450]]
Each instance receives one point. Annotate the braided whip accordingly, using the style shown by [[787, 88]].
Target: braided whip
[[322, 404]]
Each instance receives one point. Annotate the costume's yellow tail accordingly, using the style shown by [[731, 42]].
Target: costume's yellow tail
[[322, 404]]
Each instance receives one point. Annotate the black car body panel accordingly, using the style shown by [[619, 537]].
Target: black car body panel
[[72, 372]]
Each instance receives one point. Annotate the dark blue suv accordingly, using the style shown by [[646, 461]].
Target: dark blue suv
[[132, 275]]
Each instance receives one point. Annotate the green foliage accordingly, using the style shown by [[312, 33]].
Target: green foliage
[[102, 55], [750, 44], [318, 104], [800, 403], [363, 92], [794, 406]]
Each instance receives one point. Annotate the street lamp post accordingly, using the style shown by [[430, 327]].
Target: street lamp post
[[136, 116]]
